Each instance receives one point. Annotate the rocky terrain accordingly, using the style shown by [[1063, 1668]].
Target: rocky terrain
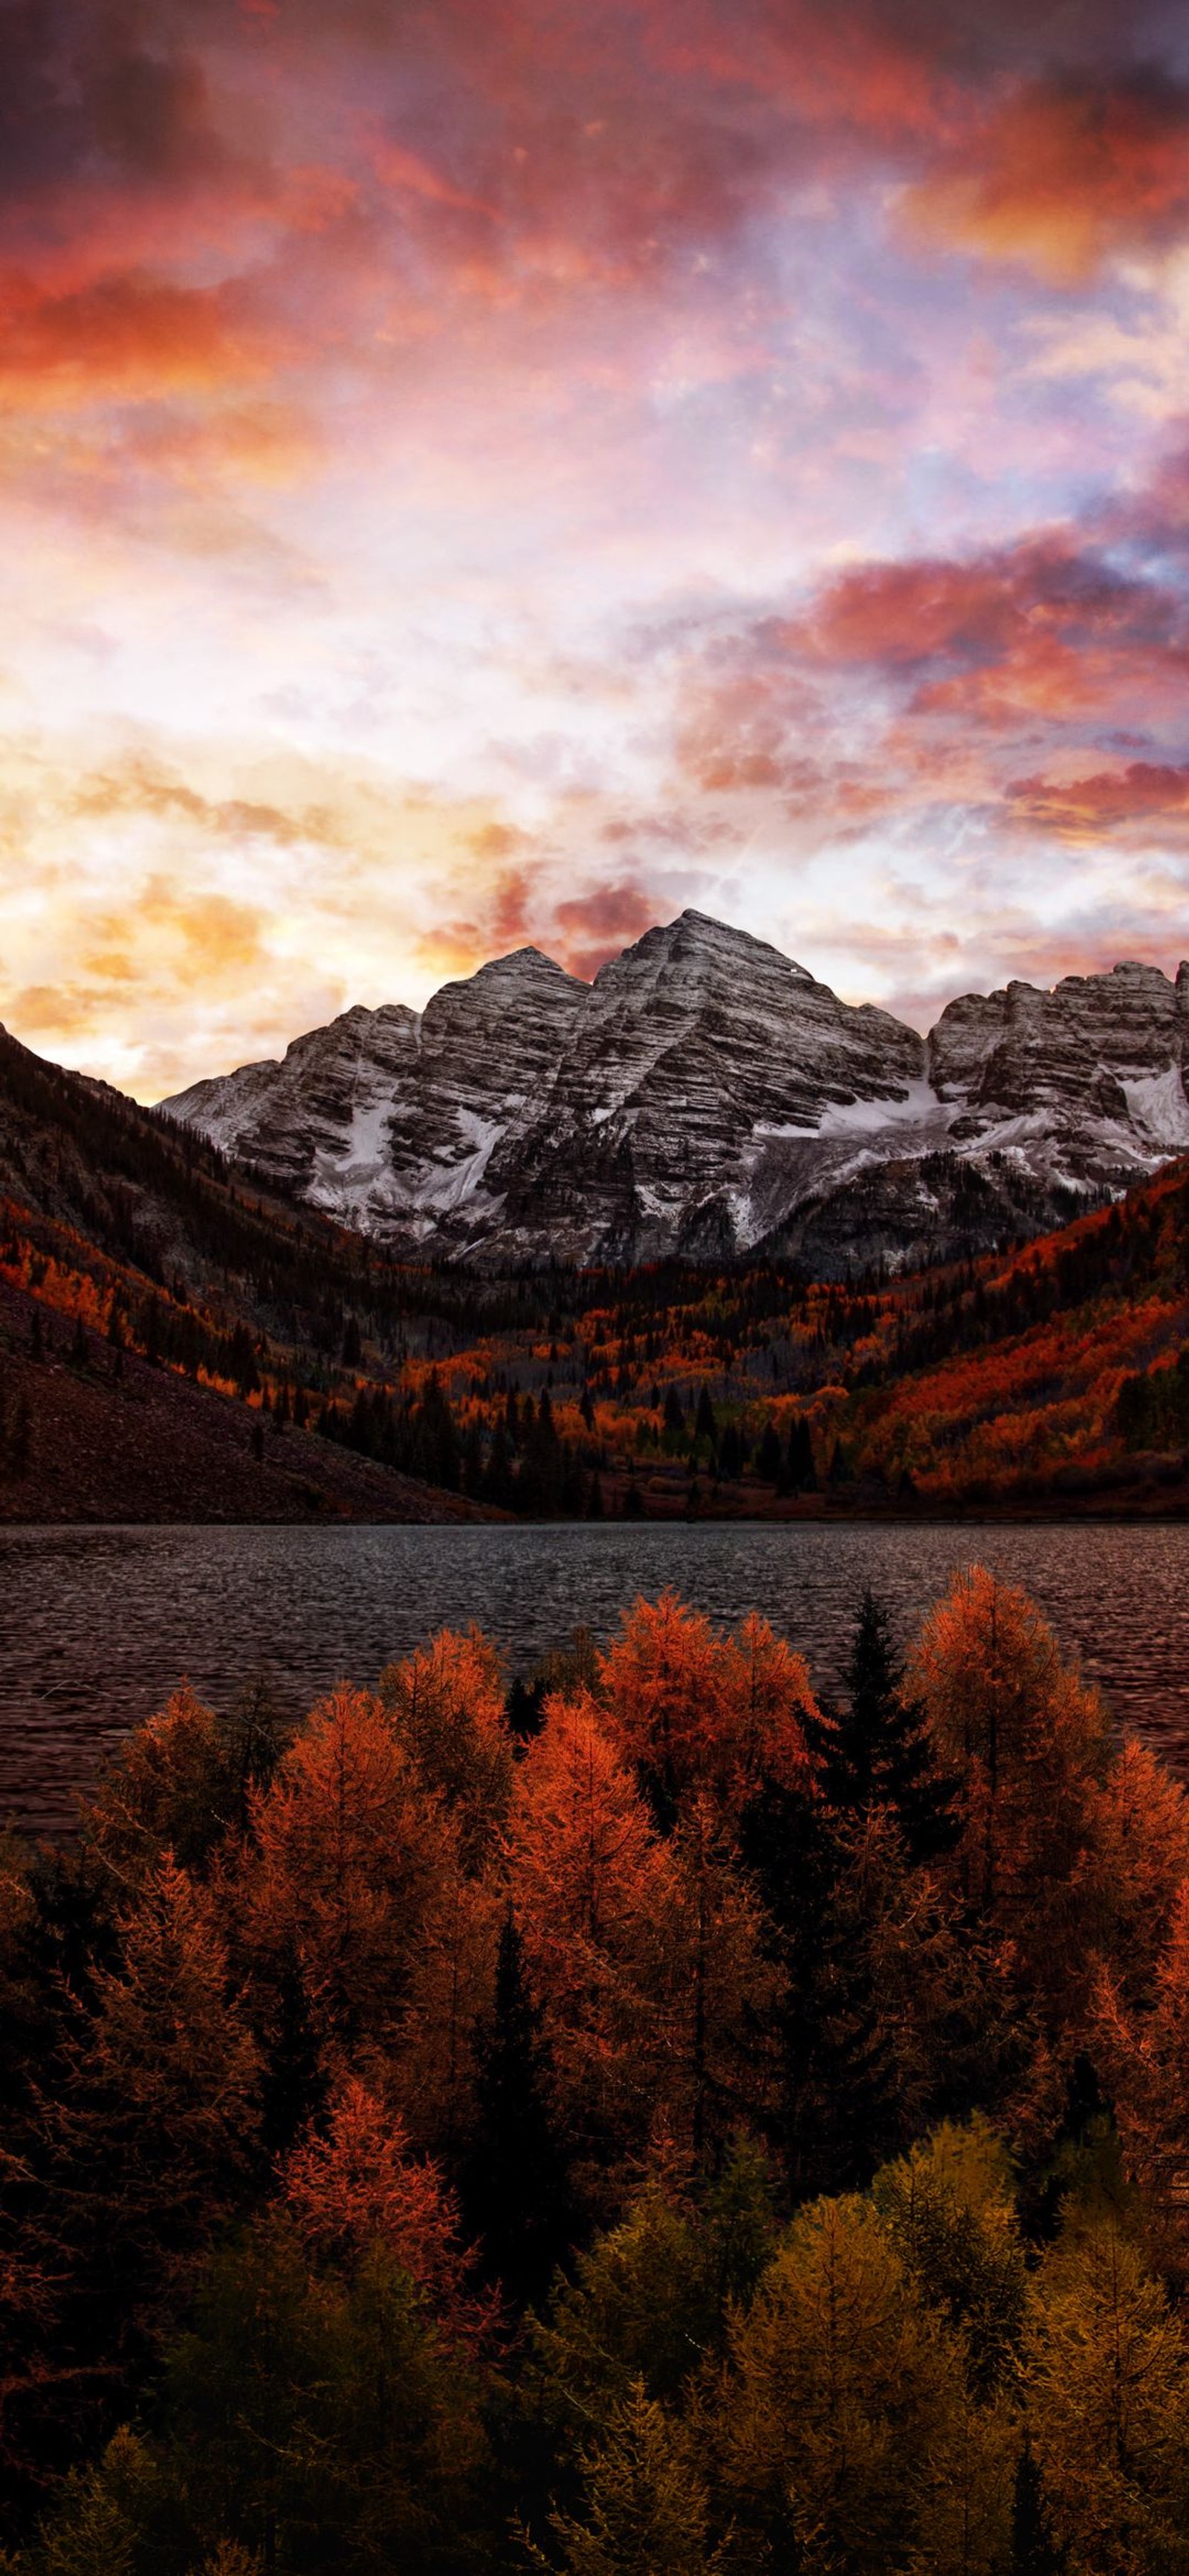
[[704, 1097]]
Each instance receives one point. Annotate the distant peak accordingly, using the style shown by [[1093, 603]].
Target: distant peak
[[521, 961], [713, 933]]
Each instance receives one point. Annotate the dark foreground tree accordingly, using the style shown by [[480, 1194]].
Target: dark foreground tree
[[515, 2193], [878, 1751]]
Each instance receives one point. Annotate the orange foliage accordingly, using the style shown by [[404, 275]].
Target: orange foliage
[[591, 1886], [1032, 1744], [446, 1702], [698, 1710], [351, 1856], [360, 2185]]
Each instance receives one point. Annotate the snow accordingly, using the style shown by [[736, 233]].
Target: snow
[[1159, 1109], [446, 1187], [919, 1105]]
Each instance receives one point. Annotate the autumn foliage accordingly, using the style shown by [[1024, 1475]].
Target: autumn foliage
[[688, 2130]]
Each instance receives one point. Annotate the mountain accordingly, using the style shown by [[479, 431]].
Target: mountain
[[706, 1097], [152, 1313]]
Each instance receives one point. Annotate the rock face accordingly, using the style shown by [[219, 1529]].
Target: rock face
[[705, 1097]]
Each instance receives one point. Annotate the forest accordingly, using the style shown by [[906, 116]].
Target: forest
[[136, 1264], [631, 2119]]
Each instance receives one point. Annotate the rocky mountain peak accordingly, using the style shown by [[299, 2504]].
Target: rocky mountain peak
[[707, 1096]]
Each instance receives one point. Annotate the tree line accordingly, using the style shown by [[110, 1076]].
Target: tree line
[[639, 2122]]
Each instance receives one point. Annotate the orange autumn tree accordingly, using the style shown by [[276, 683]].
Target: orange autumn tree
[[158, 2131], [591, 1885], [359, 2184], [1142, 2048], [1142, 1835], [699, 1711], [447, 1703], [351, 1850], [1031, 1743]]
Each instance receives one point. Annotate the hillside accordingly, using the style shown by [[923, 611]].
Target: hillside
[[176, 1344], [1050, 1378], [141, 1293]]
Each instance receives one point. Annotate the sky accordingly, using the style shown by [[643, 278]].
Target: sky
[[500, 471]]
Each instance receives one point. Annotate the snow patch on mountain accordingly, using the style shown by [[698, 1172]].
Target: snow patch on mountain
[[705, 1096]]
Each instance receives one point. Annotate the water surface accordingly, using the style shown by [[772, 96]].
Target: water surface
[[98, 1624]]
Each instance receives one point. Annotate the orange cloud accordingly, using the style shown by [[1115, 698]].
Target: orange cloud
[[1065, 171], [598, 925], [124, 336], [1144, 792], [1046, 627]]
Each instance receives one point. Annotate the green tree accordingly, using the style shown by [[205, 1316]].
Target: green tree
[[879, 1749], [516, 2196]]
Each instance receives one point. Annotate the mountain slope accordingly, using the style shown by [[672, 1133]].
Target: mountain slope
[[147, 1306], [705, 1098]]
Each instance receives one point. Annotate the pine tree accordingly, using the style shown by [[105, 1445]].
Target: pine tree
[[768, 1455], [799, 1466], [515, 2192], [834, 2120], [294, 2084], [1033, 2551], [879, 1752]]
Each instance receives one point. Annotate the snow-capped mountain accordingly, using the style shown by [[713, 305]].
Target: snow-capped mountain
[[705, 1096]]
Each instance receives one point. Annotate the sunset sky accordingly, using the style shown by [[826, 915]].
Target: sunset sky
[[503, 470]]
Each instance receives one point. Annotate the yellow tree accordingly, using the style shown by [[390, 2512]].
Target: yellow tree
[[1107, 2385], [645, 2509], [845, 2428]]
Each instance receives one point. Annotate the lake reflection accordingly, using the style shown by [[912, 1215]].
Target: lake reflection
[[96, 1625]]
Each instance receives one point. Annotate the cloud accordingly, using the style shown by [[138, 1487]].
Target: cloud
[[596, 926], [1079, 809], [1064, 172], [1048, 629], [121, 337], [137, 784]]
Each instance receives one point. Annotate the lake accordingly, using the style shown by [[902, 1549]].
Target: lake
[[98, 1624]]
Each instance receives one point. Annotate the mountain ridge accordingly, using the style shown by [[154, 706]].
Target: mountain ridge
[[705, 1097]]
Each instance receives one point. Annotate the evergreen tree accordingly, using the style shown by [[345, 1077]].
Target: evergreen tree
[[294, 2085], [515, 2189], [878, 1751], [834, 2122], [768, 1455], [1033, 2550], [799, 1467]]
